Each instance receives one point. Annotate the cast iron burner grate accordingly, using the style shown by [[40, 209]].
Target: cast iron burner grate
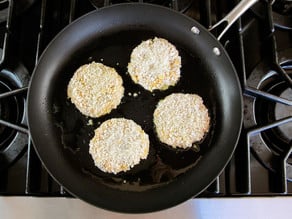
[[281, 13], [259, 49], [283, 7], [13, 136], [268, 107], [179, 5], [14, 79], [269, 114]]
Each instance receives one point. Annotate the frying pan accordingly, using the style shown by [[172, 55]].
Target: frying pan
[[61, 134]]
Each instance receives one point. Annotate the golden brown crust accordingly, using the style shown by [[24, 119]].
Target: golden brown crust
[[95, 89], [181, 120], [118, 145], [155, 64]]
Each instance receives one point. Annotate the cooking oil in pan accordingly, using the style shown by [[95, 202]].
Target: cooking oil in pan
[[163, 163]]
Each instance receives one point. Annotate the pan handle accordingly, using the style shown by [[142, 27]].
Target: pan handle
[[233, 15]]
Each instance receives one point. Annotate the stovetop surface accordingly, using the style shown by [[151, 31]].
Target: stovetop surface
[[259, 45]]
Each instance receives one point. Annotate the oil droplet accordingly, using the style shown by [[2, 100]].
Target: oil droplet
[[196, 148], [90, 122]]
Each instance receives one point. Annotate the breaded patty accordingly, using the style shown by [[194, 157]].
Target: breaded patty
[[181, 120], [95, 89], [118, 145], [155, 64]]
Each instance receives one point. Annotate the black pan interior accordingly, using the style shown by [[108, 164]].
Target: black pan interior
[[61, 134], [163, 163]]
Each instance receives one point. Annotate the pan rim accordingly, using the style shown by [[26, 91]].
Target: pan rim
[[141, 209]]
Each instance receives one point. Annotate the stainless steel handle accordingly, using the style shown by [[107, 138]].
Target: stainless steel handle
[[233, 15]]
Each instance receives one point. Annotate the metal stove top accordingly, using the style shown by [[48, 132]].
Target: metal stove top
[[259, 44]]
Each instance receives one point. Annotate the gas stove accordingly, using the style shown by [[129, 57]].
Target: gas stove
[[260, 47]]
